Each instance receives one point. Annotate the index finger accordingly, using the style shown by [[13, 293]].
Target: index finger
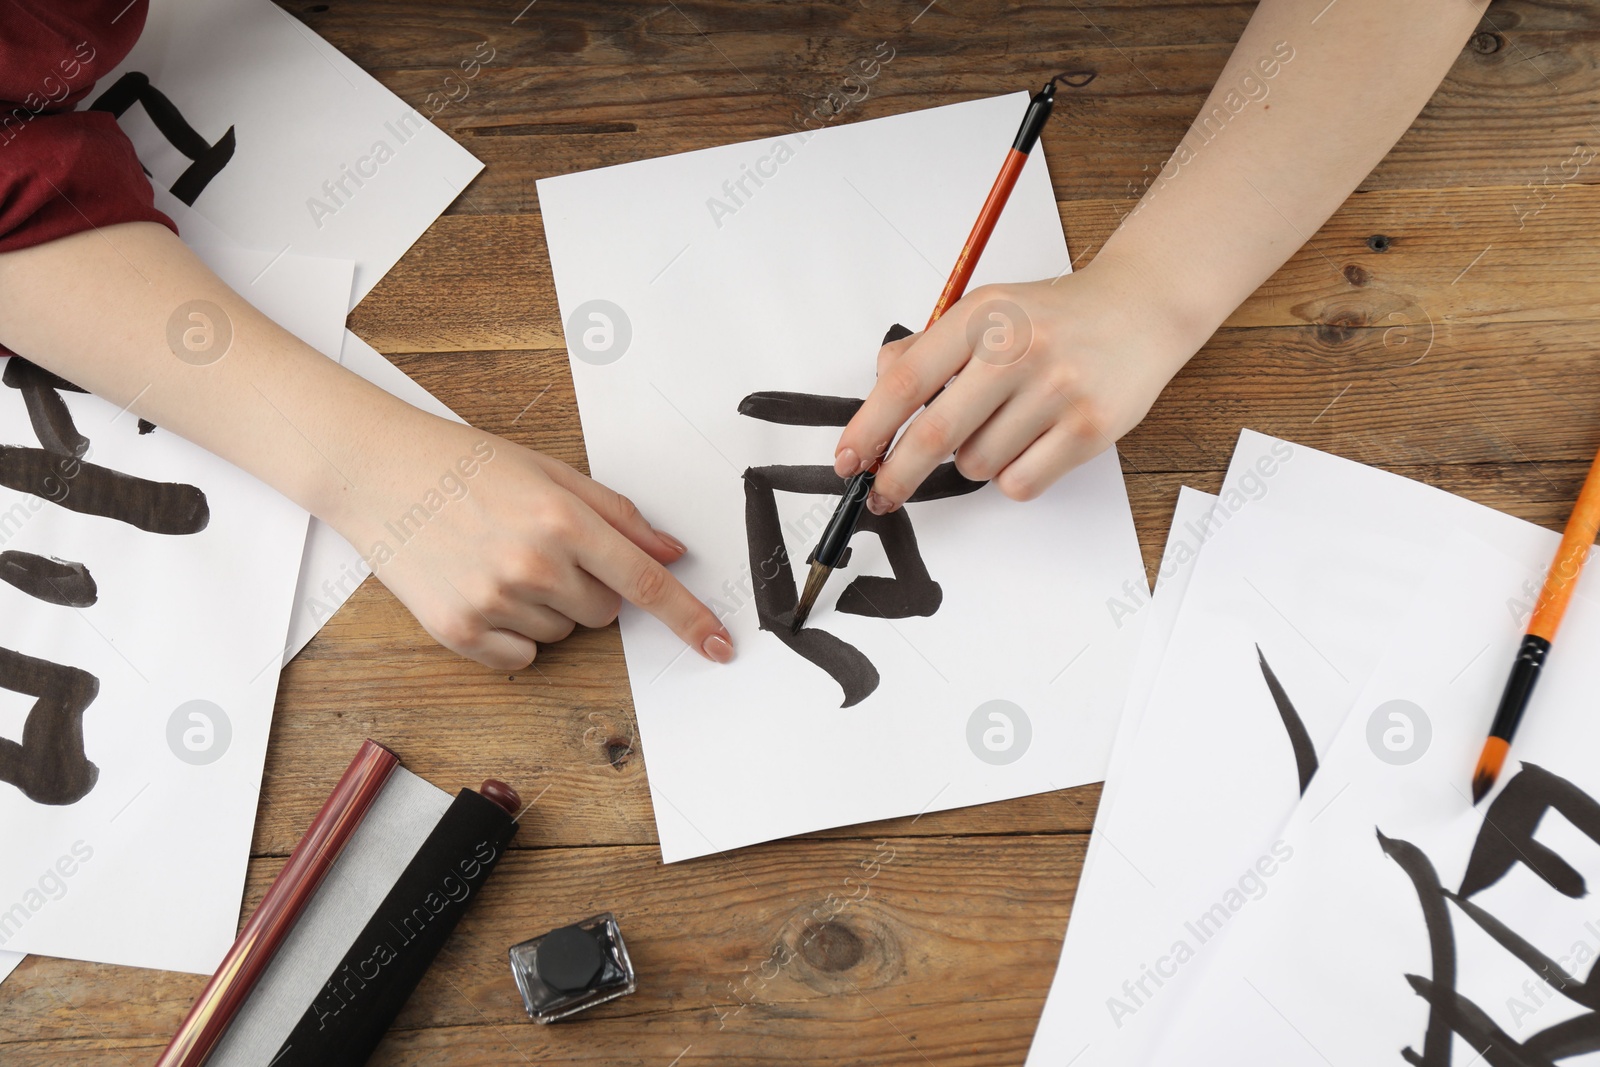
[[906, 384], [625, 567]]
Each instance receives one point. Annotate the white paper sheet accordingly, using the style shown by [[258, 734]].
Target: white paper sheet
[[1327, 969], [331, 569], [1313, 554], [326, 161], [686, 286], [307, 295], [177, 618], [9, 962], [1191, 527], [164, 832]]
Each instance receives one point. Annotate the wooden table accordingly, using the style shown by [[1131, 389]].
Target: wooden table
[[1442, 325]]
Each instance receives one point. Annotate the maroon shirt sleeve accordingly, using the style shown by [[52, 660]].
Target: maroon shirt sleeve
[[64, 171]]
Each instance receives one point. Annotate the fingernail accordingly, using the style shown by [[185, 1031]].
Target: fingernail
[[846, 462], [670, 541], [717, 649], [877, 505]]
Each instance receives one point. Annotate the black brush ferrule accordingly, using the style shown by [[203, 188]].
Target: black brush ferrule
[[1519, 687]]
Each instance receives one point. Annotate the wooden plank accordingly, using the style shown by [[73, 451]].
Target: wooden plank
[[585, 84], [1448, 256], [1497, 393], [1453, 256], [856, 951]]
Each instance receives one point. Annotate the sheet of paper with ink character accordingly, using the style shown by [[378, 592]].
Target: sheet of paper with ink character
[[722, 328], [150, 587], [1285, 615], [1411, 926], [279, 139]]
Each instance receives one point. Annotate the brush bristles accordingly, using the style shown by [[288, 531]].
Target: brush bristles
[[808, 596], [1482, 782], [1489, 764]]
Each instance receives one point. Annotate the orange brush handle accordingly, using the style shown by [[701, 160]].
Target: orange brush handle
[[977, 240], [1576, 540], [999, 193]]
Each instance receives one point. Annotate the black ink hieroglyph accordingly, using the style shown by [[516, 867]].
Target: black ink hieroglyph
[[50, 765], [1305, 754], [911, 592], [41, 395], [56, 471], [89, 489], [52, 580], [1504, 840], [206, 159]]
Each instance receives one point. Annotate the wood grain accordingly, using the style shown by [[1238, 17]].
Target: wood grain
[[582, 84], [1459, 350], [1453, 256], [853, 950]]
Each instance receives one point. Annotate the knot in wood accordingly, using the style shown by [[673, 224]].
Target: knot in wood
[[831, 947], [618, 751]]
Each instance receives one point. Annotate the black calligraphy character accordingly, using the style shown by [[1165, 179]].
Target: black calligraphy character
[[1504, 840], [911, 592], [1305, 753], [54, 581], [206, 160], [58, 473], [50, 764]]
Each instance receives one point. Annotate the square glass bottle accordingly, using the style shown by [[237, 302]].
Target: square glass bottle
[[572, 968]]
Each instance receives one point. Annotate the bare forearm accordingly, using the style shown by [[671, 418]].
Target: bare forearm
[[1313, 97], [96, 308], [526, 552]]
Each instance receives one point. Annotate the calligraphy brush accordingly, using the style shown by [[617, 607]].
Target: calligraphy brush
[[1559, 582], [836, 535]]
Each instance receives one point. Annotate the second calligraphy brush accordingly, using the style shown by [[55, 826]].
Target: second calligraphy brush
[[1559, 582], [836, 535]]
